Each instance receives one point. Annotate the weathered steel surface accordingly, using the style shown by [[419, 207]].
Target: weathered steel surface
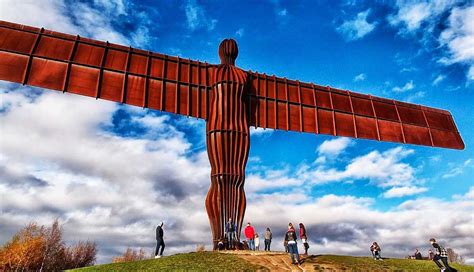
[[291, 105], [74, 64], [228, 98]]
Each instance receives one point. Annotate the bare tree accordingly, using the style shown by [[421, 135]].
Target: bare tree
[[454, 257]]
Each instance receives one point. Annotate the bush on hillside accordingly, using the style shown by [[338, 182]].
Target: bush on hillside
[[40, 248]]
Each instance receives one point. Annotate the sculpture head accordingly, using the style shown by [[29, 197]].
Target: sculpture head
[[228, 51]]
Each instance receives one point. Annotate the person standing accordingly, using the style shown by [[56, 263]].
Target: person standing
[[230, 228], [304, 238], [441, 254], [268, 239], [257, 242], [375, 249], [417, 255], [250, 235], [430, 254], [160, 242], [290, 238]]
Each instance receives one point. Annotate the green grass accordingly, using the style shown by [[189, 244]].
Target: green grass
[[196, 261], [213, 261], [369, 264]]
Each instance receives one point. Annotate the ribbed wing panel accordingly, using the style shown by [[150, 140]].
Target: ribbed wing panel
[[283, 104], [74, 64]]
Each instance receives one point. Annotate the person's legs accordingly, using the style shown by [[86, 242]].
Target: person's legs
[[162, 248], [297, 254], [291, 250], [436, 259], [251, 244], [269, 244], [446, 264], [157, 247], [231, 240]]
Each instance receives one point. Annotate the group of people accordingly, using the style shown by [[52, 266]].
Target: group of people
[[290, 240], [439, 256]]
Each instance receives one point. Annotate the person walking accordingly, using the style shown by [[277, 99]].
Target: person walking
[[375, 249], [268, 239], [250, 235], [441, 254], [257, 242], [304, 238], [230, 228], [160, 242], [290, 238]]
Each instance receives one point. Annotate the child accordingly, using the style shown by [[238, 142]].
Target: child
[[257, 242]]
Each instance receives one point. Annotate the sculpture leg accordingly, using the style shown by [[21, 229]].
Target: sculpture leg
[[228, 154], [225, 199]]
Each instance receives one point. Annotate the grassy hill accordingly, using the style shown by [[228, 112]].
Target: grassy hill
[[261, 261]]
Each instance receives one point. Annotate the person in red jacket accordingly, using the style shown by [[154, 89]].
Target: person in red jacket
[[304, 238], [250, 234]]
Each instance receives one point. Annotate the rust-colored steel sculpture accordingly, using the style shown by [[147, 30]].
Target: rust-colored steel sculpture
[[228, 98]]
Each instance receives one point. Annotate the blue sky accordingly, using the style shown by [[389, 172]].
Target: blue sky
[[102, 160]]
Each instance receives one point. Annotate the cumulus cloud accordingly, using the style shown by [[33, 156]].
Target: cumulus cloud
[[457, 37], [404, 191], [348, 225], [385, 170], [334, 147], [89, 19], [356, 28], [408, 86], [67, 161], [197, 18]]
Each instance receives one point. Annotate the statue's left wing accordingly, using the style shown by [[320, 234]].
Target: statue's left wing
[[78, 65], [278, 103]]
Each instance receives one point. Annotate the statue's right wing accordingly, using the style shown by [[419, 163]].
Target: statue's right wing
[[78, 65]]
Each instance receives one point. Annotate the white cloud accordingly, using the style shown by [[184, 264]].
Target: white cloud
[[458, 170], [415, 96], [360, 77], [260, 131], [470, 73], [197, 18], [93, 20], [282, 12], [334, 147], [438, 79], [410, 14], [240, 32], [404, 191], [408, 86], [357, 28], [458, 38], [385, 170], [348, 225]]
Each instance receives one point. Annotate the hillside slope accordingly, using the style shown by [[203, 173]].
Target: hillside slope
[[273, 261]]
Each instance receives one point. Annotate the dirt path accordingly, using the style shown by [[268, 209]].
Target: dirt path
[[279, 261]]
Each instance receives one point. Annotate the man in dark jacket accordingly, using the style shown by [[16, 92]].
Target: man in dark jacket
[[230, 228], [159, 241], [441, 254]]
